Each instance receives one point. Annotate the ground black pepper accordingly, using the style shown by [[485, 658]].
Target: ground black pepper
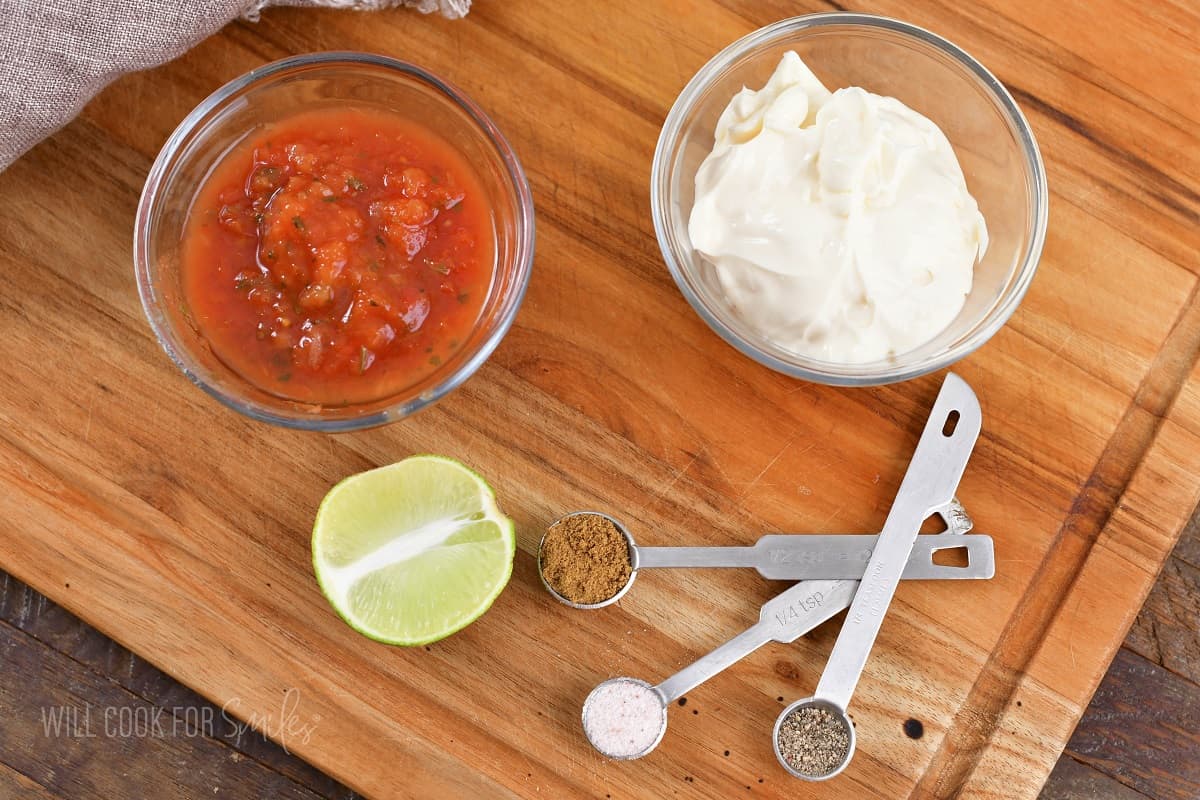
[[813, 741]]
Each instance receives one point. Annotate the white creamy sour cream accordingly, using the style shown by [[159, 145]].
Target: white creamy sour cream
[[839, 224]]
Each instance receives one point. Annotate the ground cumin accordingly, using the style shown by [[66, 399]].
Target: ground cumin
[[585, 558]]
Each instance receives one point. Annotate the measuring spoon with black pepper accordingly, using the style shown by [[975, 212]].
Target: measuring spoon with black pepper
[[806, 556], [929, 483]]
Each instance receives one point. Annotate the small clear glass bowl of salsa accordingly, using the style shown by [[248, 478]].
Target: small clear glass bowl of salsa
[[333, 241]]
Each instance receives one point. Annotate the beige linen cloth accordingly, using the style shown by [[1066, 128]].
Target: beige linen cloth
[[55, 55]]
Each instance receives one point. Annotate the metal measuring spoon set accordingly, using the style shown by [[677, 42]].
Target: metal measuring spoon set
[[859, 572]]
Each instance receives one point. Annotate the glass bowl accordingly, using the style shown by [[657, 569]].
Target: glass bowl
[[990, 136], [276, 91]]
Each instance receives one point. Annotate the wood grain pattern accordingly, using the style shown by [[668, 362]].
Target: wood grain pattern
[[1141, 729], [1167, 631], [14, 784], [65, 727], [148, 690], [1072, 780], [181, 530], [1144, 729]]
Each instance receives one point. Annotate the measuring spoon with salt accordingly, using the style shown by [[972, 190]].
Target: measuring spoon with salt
[[929, 484], [784, 618], [790, 556]]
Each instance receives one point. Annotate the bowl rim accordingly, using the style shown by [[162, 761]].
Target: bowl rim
[[523, 249], [1035, 169]]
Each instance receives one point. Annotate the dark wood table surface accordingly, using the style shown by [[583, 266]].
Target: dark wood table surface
[[82, 717]]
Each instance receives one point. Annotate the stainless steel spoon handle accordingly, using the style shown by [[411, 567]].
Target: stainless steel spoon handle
[[682, 557], [709, 665], [928, 485], [800, 557], [784, 618]]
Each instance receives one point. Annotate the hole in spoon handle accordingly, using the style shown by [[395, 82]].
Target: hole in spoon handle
[[950, 424]]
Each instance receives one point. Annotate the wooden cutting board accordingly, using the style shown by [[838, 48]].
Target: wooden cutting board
[[181, 529]]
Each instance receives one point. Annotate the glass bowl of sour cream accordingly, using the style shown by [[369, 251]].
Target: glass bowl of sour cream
[[849, 236]]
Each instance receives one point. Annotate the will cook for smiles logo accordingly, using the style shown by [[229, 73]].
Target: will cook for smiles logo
[[286, 725]]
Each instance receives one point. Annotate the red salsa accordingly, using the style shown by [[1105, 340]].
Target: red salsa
[[338, 256]]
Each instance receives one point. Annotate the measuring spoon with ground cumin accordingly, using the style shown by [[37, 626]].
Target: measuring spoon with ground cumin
[[588, 559]]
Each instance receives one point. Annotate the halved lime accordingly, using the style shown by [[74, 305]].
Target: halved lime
[[412, 552]]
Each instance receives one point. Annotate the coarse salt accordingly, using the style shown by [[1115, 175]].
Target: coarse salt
[[624, 718]]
